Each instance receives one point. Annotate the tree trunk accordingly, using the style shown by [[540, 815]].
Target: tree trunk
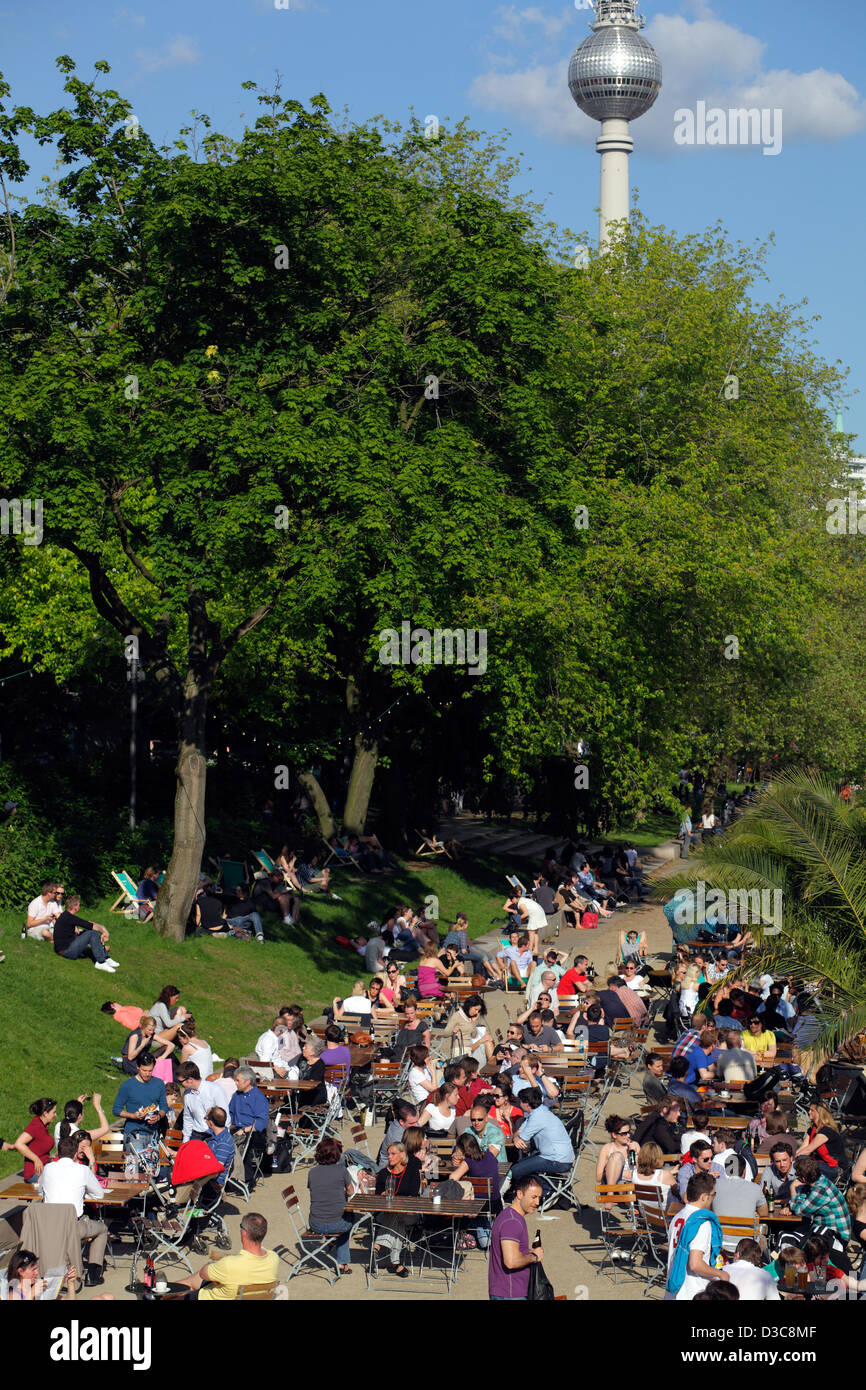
[[181, 880], [318, 801], [360, 784]]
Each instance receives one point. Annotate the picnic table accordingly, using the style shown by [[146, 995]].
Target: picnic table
[[118, 1195], [374, 1205]]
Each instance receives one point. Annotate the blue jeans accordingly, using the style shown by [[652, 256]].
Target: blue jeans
[[539, 1165], [336, 1228], [252, 918], [497, 1298], [86, 941]]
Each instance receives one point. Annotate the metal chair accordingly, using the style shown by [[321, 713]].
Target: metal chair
[[315, 1250], [256, 1293], [617, 1223], [561, 1187], [651, 1206]]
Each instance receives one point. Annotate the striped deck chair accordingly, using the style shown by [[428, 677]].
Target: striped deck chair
[[132, 903]]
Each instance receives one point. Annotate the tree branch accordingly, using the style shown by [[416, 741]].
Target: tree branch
[[114, 503]]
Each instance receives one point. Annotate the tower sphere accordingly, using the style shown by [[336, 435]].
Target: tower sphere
[[615, 73]]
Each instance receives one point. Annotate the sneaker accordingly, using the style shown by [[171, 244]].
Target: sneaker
[[260, 940], [103, 965]]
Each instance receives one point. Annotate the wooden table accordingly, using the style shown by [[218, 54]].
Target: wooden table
[[118, 1195], [378, 1205]]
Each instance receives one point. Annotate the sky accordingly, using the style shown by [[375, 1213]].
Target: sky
[[505, 67]]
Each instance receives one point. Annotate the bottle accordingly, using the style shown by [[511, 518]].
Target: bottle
[[536, 1241], [148, 1273], [771, 1197]]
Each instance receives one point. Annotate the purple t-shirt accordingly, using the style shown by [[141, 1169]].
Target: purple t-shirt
[[337, 1057], [502, 1282]]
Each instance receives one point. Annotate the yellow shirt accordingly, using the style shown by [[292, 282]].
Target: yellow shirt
[[762, 1043], [229, 1274]]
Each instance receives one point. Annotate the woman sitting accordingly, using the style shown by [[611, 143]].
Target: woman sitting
[[440, 1111], [856, 1199], [613, 1161], [470, 1162], [422, 1083], [312, 1068], [72, 1113], [210, 917], [431, 973], [418, 1146], [195, 1049], [649, 1167], [474, 1036], [330, 1188], [824, 1141], [401, 1177], [141, 1043], [504, 1112], [395, 990]]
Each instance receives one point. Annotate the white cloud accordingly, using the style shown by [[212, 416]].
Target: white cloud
[[128, 18], [179, 52], [703, 58], [513, 22]]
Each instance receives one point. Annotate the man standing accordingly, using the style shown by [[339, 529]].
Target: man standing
[[695, 1242], [141, 1103], [199, 1097], [69, 1182], [75, 937], [249, 1115], [510, 1255]]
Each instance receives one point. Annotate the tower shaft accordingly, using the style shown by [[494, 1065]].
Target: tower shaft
[[614, 144]]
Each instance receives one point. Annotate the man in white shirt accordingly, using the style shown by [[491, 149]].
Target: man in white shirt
[[699, 1271], [756, 1284], [198, 1098], [68, 1182], [268, 1050], [42, 912]]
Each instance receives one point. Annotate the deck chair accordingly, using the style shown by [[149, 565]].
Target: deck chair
[[340, 854], [429, 847], [318, 1251], [132, 903], [233, 872]]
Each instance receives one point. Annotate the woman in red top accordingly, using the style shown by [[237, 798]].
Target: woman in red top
[[824, 1141], [37, 1140], [503, 1111]]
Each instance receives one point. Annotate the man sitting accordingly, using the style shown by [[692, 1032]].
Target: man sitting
[[700, 1160], [242, 914], [553, 1149], [43, 912], [748, 1274], [735, 1063], [66, 1181], [249, 1113], [222, 1146], [695, 1242], [814, 1195], [75, 937], [777, 1175], [678, 1086], [654, 1088], [268, 1049], [539, 1037], [738, 1196], [223, 1278]]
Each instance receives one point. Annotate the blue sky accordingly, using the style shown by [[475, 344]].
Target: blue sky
[[504, 66]]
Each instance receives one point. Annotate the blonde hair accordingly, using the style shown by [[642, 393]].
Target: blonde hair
[[825, 1119], [691, 977], [649, 1159], [856, 1197], [145, 1020], [358, 988]]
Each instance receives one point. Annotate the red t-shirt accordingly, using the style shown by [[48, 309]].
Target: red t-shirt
[[569, 981], [129, 1015], [467, 1094], [40, 1141]]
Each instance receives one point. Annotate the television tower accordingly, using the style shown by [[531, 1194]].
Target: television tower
[[614, 76]]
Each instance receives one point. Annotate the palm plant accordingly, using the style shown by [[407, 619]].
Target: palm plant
[[800, 839]]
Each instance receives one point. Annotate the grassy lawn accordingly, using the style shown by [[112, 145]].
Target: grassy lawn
[[57, 1042], [651, 831]]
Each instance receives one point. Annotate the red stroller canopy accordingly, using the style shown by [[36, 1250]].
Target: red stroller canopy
[[194, 1160]]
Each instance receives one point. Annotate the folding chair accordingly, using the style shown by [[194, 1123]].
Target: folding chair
[[168, 1232], [236, 1178], [309, 1127], [429, 847], [385, 1077], [132, 903], [561, 1187], [737, 1228], [313, 1249], [233, 873], [617, 1223], [341, 854], [256, 1293], [651, 1204]]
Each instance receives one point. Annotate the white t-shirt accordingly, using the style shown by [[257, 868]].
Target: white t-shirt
[[67, 1182], [268, 1048], [755, 1285], [702, 1242], [40, 908], [74, 1130], [536, 917], [357, 1004], [436, 1121], [417, 1074], [689, 1138], [708, 822]]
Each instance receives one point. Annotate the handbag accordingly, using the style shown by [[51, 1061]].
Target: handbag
[[540, 1287], [589, 920]]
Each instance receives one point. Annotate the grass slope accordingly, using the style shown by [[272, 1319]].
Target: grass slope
[[57, 1043]]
